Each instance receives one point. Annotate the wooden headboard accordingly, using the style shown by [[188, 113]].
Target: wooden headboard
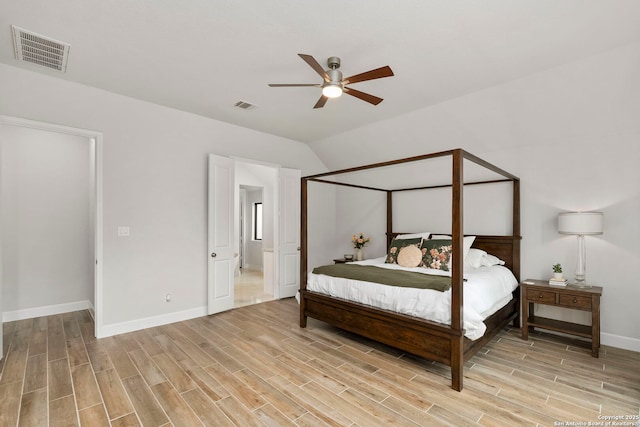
[[507, 248]]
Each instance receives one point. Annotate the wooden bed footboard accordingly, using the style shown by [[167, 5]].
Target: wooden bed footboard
[[427, 339], [417, 336]]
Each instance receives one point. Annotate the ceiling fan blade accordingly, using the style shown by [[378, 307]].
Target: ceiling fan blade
[[323, 100], [314, 64], [364, 96], [293, 84], [378, 73]]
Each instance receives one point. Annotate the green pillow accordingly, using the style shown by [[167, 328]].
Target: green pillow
[[396, 245], [436, 254]]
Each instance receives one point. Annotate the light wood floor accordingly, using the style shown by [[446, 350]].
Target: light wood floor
[[255, 366]]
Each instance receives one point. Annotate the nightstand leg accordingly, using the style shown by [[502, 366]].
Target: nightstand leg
[[525, 317], [595, 326]]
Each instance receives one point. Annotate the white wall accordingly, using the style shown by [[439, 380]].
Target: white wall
[[361, 211], [572, 135], [154, 181], [46, 219], [324, 240]]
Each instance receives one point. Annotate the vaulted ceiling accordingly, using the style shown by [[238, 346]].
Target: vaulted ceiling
[[203, 56]]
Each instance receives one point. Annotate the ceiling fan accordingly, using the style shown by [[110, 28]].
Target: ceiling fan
[[334, 85]]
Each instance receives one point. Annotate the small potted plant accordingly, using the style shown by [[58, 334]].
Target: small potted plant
[[557, 271]]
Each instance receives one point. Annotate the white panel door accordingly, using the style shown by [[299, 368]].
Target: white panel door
[[1, 290], [220, 234], [1, 343], [2, 136], [289, 233]]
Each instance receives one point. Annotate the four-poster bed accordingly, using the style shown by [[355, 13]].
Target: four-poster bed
[[444, 343]]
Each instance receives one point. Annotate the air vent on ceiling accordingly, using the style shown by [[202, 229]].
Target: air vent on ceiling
[[245, 105], [40, 50]]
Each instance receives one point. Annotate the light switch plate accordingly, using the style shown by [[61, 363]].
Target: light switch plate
[[123, 232]]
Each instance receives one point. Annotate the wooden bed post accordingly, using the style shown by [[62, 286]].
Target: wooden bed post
[[457, 237], [389, 217], [516, 228], [303, 250], [516, 240]]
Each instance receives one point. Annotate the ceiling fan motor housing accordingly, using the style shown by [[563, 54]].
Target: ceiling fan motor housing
[[333, 62], [335, 76]]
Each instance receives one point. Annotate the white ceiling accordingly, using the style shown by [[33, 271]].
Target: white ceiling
[[202, 56]]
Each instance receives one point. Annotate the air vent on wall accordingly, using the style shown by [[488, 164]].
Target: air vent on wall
[[40, 50], [245, 105]]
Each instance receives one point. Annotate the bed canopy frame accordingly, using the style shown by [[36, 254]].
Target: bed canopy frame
[[431, 340]]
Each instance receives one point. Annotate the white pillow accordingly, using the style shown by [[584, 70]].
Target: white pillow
[[424, 235], [474, 258], [489, 260]]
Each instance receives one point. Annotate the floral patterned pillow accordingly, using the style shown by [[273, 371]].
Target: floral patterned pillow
[[396, 245], [436, 254]]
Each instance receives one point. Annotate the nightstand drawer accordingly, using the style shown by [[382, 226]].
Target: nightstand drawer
[[575, 301], [542, 297]]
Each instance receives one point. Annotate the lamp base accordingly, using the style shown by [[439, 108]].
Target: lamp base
[[580, 284]]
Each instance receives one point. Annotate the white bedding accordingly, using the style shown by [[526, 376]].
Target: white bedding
[[486, 290]]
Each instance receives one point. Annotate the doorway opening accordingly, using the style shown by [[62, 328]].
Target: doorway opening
[[278, 239], [253, 274], [52, 200]]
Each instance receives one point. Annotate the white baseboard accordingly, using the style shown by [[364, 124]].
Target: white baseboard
[[47, 310], [618, 341], [610, 340], [150, 322]]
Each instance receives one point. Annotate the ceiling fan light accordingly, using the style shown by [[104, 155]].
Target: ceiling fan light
[[332, 90]]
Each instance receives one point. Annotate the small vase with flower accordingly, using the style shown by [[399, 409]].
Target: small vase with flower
[[359, 241]]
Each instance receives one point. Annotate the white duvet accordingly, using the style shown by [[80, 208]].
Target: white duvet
[[486, 290]]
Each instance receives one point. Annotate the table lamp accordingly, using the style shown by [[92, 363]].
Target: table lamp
[[580, 224]]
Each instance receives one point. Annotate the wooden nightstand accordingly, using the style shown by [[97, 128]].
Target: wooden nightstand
[[586, 299]]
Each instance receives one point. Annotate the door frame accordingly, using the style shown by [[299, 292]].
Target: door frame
[[276, 221], [242, 211], [276, 207], [98, 219]]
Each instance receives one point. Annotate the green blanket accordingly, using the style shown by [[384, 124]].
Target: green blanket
[[385, 276]]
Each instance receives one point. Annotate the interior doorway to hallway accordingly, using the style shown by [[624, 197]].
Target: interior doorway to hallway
[[253, 260], [52, 182], [280, 232]]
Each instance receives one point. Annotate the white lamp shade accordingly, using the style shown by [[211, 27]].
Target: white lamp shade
[[580, 223]]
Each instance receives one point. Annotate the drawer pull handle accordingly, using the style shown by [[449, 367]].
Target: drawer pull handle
[[575, 300], [540, 296]]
